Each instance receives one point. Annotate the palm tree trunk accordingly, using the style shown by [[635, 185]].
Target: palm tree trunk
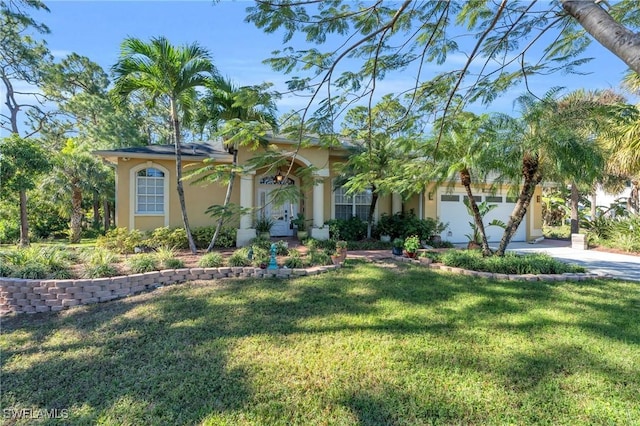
[[24, 220], [107, 214], [75, 224], [372, 209], [532, 177], [593, 205], [465, 178], [180, 188], [227, 200], [575, 199], [96, 209]]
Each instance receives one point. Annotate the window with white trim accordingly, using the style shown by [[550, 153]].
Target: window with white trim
[[347, 206], [150, 191]]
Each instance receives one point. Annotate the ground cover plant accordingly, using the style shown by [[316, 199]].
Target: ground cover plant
[[510, 263], [364, 345]]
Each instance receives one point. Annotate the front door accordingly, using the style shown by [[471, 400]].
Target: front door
[[280, 214]]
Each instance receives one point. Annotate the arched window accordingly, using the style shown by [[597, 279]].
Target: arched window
[[150, 191]]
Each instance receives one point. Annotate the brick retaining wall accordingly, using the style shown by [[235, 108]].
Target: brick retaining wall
[[31, 296]]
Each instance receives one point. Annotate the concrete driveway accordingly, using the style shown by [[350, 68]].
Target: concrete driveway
[[620, 266]]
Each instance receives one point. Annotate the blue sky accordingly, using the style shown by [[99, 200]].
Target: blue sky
[[96, 29]]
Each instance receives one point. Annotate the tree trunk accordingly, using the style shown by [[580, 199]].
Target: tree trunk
[[96, 210], [75, 225], [24, 220], [180, 188], [532, 177], [622, 42], [372, 209], [633, 202], [594, 211], [227, 200], [107, 214], [575, 199], [465, 178]]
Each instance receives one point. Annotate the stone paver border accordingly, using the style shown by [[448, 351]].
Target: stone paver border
[[31, 296], [580, 276]]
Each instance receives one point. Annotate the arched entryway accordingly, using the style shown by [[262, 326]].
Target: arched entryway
[[280, 213]]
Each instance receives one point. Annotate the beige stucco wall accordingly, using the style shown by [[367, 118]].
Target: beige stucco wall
[[198, 198]]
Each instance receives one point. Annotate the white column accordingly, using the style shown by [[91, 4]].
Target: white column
[[319, 231], [396, 203], [318, 205], [246, 233]]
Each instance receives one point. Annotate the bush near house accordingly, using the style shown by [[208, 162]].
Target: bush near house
[[622, 233], [124, 241]]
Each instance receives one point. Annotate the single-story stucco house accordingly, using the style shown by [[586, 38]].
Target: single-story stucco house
[[146, 196]]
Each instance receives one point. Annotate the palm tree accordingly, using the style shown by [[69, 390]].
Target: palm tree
[[531, 139], [250, 107], [466, 148], [166, 72], [546, 142], [70, 181]]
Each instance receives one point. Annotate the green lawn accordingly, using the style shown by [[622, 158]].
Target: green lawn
[[364, 345]]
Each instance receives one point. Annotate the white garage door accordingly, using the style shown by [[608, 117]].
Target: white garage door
[[451, 209]]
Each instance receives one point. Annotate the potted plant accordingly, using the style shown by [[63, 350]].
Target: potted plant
[[411, 245], [341, 249], [300, 222], [397, 246], [263, 227], [384, 228]]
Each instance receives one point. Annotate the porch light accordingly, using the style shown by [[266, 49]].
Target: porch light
[[279, 177]]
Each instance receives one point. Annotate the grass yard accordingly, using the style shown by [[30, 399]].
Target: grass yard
[[365, 345]]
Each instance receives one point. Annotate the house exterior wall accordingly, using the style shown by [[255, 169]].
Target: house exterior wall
[[198, 198]]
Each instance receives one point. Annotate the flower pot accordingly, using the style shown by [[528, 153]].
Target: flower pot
[[265, 235], [410, 255], [336, 259], [396, 251], [302, 235]]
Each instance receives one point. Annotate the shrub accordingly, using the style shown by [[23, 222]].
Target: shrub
[[100, 270], [31, 271], [319, 257], [5, 269], [141, 263], [263, 243], [167, 237], [282, 248], [211, 260], [98, 263], [353, 229], [294, 262], [202, 237], [164, 253], [173, 263], [261, 256], [99, 256], [404, 225], [121, 240], [511, 263], [239, 258]]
